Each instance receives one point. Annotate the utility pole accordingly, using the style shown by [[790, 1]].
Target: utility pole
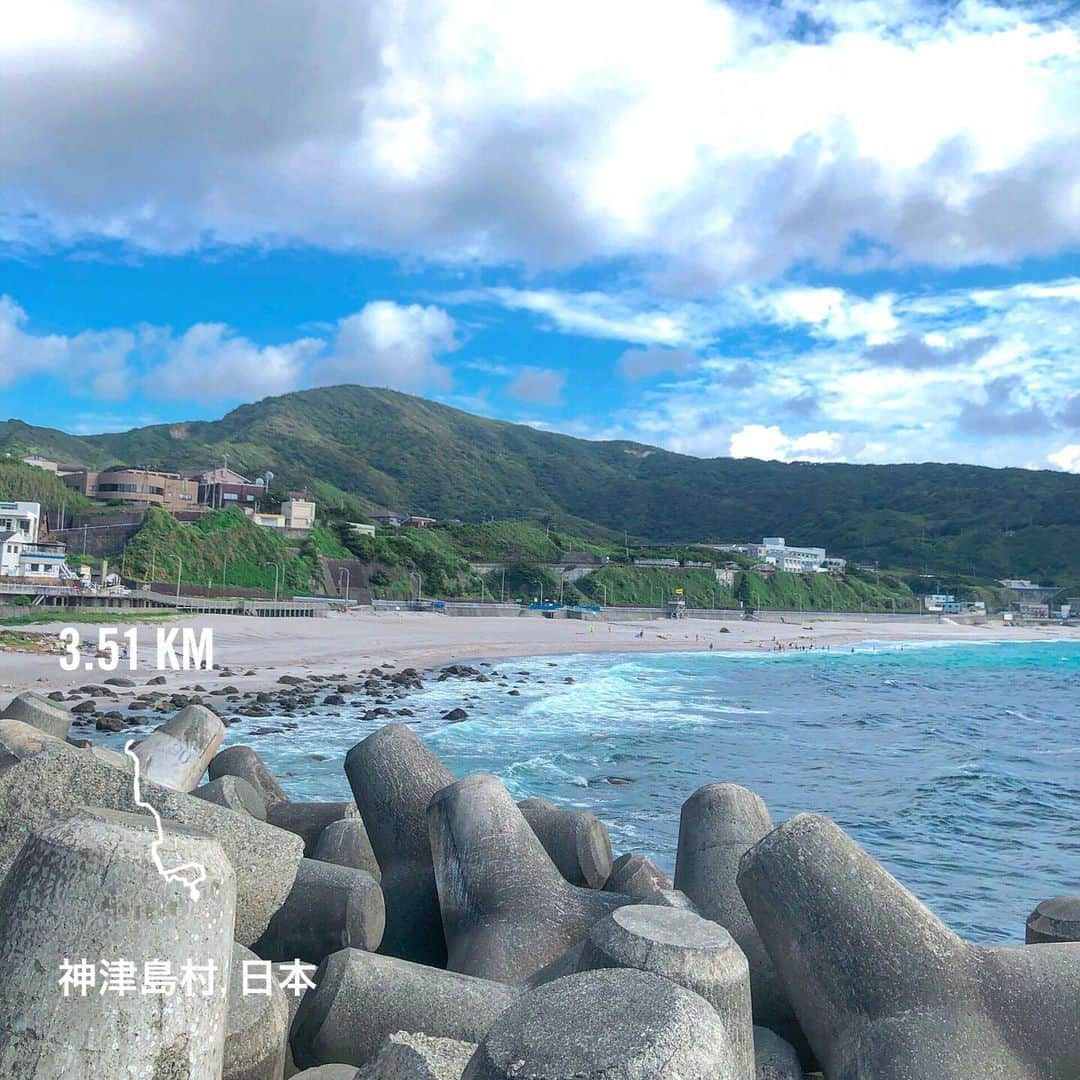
[[179, 571]]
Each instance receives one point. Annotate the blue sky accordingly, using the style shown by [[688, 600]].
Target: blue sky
[[801, 230]]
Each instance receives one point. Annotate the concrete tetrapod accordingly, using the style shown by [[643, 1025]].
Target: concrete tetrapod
[[257, 1025], [718, 825], [577, 841], [39, 712], [244, 762], [362, 998], [883, 989], [345, 842], [687, 949], [506, 909], [775, 1058], [235, 793], [308, 819], [393, 776], [85, 887], [328, 908], [1054, 920], [607, 1025], [19, 740], [58, 779], [635, 875], [295, 990], [411, 1056], [176, 754]]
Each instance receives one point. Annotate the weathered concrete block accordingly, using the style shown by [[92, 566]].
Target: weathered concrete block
[[38, 712], [362, 998], [59, 778], [308, 819], [328, 908], [176, 754], [1054, 920], [607, 1025], [577, 842], [506, 909], [719, 824], [235, 793], [244, 762], [85, 887], [883, 989], [345, 842], [257, 1027], [687, 949], [408, 1056], [393, 776], [672, 898], [293, 997], [635, 875], [775, 1058]]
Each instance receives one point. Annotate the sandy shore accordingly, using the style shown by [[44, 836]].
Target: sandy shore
[[347, 643]]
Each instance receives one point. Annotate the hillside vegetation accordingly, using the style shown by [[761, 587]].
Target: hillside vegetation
[[360, 448], [27, 483], [224, 548]]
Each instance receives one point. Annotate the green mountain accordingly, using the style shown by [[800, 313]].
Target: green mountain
[[358, 448]]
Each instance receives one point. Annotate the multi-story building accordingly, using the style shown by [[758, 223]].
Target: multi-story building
[[297, 515], [774, 550], [22, 553], [140, 487], [221, 488], [21, 517]]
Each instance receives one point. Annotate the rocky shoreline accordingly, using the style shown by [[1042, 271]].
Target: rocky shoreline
[[449, 933], [119, 703]]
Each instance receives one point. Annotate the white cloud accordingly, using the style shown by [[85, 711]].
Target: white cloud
[[538, 386], [208, 362], [93, 356], [771, 444], [614, 316], [696, 136], [1067, 458], [389, 344], [831, 313], [383, 344]]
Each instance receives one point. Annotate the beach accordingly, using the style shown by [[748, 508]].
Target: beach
[[341, 643]]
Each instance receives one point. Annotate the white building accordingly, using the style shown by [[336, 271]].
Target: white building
[[21, 517], [296, 515], [775, 551], [299, 514], [22, 554]]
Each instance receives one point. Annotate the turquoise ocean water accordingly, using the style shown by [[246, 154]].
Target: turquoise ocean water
[[957, 766]]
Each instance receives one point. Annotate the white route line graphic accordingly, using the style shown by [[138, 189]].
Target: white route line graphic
[[190, 875]]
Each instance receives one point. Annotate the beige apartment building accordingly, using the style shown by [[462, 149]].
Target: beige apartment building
[[141, 487]]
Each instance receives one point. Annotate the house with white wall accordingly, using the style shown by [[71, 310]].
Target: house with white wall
[[22, 553]]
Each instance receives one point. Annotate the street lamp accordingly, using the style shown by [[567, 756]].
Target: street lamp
[[179, 571], [604, 587], [348, 577]]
